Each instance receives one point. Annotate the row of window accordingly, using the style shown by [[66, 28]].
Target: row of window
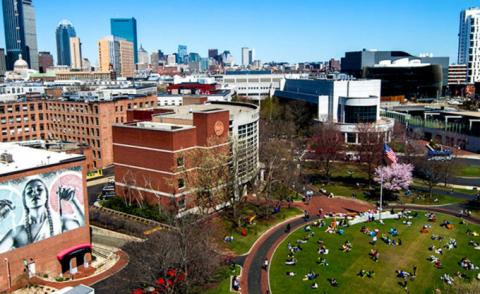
[[20, 107]]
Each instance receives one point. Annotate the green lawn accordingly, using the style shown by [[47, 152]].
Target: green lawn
[[345, 266], [241, 244], [469, 171], [224, 284]]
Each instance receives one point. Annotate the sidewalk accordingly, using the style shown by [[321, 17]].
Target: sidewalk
[[121, 263]]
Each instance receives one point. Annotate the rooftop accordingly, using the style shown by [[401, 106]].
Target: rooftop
[[186, 111], [25, 158]]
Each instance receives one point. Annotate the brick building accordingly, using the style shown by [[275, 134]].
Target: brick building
[[149, 150], [44, 227], [84, 121]]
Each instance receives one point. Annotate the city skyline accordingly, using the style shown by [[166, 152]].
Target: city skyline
[[336, 27]]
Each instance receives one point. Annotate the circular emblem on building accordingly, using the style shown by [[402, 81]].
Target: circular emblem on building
[[219, 128]]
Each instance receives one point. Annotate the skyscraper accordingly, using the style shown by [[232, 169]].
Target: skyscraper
[[245, 56], [469, 43], [75, 53], [126, 28], [251, 56], [181, 53], [45, 60], [3, 66], [142, 56], [20, 31], [116, 54], [212, 53], [65, 31], [30, 33]]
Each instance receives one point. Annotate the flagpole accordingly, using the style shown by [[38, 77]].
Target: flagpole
[[381, 198]]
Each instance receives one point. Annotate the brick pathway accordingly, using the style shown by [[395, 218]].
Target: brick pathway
[[89, 281], [255, 280]]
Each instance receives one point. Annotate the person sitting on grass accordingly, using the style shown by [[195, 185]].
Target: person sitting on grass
[[364, 230], [333, 282], [402, 274], [323, 250], [439, 251], [371, 274], [314, 286], [393, 232], [320, 242], [475, 245], [452, 243], [291, 274], [235, 283], [438, 264], [228, 239], [301, 241], [374, 254], [362, 273], [447, 279], [424, 229], [346, 247], [291, 261], [307, 228], [322, 261], [310, 276]]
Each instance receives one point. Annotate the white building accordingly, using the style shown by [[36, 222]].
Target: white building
[[171, 59], [245, 56], [469, 43], [254, 84], [347, 103]]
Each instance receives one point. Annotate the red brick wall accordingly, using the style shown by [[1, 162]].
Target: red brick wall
[[44, 253]]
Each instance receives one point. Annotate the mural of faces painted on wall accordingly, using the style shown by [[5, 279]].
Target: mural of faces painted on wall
[[36, 208]]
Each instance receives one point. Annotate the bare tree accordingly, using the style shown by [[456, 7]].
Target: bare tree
[[130, 193], [328, 144], [430, 171], [370, 148]]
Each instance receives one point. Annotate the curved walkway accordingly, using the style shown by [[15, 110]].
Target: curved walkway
[[118, 266], [255, 280]]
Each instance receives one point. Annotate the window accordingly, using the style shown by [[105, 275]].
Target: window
[[359, 114], [351, 138], [180, 161], [181, 183]]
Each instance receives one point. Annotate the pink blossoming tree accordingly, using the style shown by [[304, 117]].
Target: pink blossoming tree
[[395, 177]]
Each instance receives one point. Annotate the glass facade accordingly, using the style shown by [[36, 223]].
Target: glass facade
[[65, 31], [126, 28], [360, 114], [13, 23]]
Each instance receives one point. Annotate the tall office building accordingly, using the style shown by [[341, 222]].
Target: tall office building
[[142, 56], [181, 53], [212, 53], [154, 60], [126, 28], [75, 53], [3, 65], [30, 24], [20, 32], [245, 56], [65, 31], [469, 43], [116, 54], [45, 60], [251, 56]]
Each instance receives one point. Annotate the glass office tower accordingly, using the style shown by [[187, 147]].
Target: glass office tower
[[65, 31], [126, 28]]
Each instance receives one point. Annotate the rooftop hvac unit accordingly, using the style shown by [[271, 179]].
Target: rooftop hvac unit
[[6, 157]]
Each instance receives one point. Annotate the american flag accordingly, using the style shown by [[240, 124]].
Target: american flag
[[389, 154]]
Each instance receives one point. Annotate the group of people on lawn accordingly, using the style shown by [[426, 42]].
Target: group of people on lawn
[[391, 238]]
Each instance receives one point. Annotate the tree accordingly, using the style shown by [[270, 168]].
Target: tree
[[207, 174], [370, 148], [183, 255], [328, 143], [395, 177], [430, 171]]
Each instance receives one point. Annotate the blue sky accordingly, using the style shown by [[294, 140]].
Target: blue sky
[[280, 30]]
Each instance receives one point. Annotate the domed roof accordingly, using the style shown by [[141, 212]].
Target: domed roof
[[65, 23], [20, 63]]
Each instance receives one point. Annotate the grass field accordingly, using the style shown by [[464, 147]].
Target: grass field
[[345, 266], [469, 171], [241, 244], [223, 286]]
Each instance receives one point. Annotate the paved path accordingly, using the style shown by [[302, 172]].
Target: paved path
[[121, 263], [254, 280]]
